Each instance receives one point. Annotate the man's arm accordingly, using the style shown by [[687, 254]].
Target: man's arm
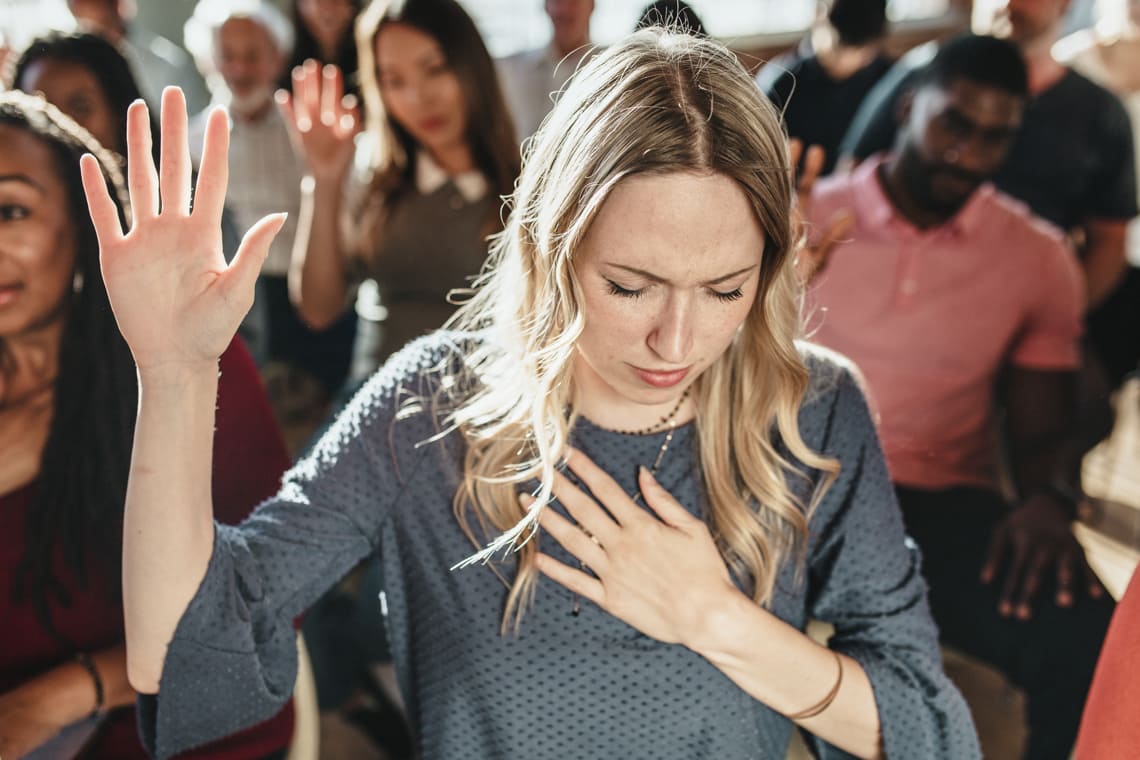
[[1040, 407], [1104, 259], [1035, 539]]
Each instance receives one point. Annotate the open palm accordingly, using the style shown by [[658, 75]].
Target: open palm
[[175, 299], [322, 119]]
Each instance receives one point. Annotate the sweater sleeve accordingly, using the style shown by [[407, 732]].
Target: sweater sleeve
[[233, 659], [863, 578]]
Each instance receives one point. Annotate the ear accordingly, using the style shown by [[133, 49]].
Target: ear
[[904, 105]]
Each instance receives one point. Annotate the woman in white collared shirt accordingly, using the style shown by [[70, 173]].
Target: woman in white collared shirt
[[410, 202]]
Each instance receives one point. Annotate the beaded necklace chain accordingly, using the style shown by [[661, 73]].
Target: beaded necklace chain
[[666, 420], [669, 420]]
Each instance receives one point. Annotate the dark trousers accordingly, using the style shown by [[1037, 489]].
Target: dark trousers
[[1051, 657], [325, 354]]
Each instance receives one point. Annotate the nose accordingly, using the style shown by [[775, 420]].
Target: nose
[[971, 154], [672, 335]]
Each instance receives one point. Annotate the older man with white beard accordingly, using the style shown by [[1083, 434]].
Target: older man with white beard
[[246, 44]]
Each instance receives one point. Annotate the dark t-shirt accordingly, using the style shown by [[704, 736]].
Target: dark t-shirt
[[817, 107], [1072, 159]]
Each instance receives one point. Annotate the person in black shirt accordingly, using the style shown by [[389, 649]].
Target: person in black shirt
[[1072, 162], [820, 85]]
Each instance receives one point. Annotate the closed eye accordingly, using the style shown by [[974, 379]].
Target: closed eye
[[618, 290], [732, 295]]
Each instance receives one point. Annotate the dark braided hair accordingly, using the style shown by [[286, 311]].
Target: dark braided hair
[[78, 497]]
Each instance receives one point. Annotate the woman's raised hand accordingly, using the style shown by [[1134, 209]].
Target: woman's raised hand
[[175, 299], [322, 118]]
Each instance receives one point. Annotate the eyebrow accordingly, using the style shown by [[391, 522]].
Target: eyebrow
[[656, 278], [23, 178], [429, 58]]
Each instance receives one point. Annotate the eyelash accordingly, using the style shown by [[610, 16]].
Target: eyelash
[[618, 290]]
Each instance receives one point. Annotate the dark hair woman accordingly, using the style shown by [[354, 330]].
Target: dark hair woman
[[87, 78], [424, 179], [323, 31], [68, 400]]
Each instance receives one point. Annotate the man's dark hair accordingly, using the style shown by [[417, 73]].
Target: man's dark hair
[[979, 59], [858, 22]]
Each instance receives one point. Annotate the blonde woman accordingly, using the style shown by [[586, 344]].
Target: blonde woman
[[623, 401]]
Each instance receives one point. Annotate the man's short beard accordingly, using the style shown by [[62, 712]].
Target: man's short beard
[[251, 104]]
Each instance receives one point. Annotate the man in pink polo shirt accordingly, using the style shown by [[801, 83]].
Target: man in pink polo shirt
[[954, 301]]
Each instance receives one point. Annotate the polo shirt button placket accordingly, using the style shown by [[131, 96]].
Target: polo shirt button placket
[[908, 276]]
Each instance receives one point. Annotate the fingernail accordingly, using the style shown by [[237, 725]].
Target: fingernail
[[644, 472]]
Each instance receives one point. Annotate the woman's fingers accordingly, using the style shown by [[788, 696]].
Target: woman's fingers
[[350, 115], [813, 165], [298, 112], [307, 94], [573, 539], [142, 178], [332, 90], [662, 502], [104, 212], [795, 151], [214, 171], [237, 282], [174, 171], [575, 580], [583, 509], [605, 488]]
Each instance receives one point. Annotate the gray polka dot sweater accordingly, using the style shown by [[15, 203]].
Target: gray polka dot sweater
[[565, 687]]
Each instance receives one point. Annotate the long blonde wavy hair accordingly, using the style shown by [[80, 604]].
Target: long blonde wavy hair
[[658, 102]]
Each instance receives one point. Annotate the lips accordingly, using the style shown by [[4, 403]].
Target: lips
[[434, 124], [662, 378], [9, 292]]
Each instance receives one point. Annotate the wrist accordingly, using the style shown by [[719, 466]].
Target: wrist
[[323, 185], [1062, 496], [178, 375], [62, 695], [711, 634], [99, 693]]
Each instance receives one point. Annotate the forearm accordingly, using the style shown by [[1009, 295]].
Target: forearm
[[168, 529], [789, 672], [317, 277], [1104, 262], [1044, 463]]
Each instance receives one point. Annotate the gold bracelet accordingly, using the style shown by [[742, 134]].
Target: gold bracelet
[[816, 709]]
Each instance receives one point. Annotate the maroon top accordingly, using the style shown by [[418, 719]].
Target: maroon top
[[249, 458]]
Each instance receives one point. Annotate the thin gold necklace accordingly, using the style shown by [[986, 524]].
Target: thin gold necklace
[[671, 421]]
